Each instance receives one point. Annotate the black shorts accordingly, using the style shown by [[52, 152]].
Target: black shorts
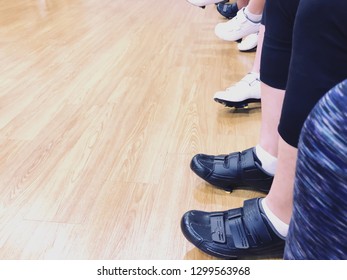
[[278, 18], [305, 53]]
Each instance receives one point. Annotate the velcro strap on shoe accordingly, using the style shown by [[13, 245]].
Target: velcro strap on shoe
[[217, 228], [254, 222], [236, 229], [247, 160], [238, 233]]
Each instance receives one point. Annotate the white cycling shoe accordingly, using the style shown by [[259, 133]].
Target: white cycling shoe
[[236, 28], [249, 43], [203, 3], [242, 93]]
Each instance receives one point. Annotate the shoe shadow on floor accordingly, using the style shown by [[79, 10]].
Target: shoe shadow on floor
[[204, 191], [249, 109], [196, 254]]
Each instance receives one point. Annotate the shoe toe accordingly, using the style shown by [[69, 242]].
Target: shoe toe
[[248, 43], [195, 226], [220, 95], [221, 31], [236, 94], [227, 33], [218, 30], [202, 165]]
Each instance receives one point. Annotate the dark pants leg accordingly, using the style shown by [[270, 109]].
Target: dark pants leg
[[318, 61]]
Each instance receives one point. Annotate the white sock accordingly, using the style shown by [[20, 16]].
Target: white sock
[[252, 17], [281, 227], [268, 161]]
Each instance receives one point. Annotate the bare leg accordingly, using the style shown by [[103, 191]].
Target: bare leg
[[242, 3], [272, 100], [256, 64], [280, 197], [256, 6]]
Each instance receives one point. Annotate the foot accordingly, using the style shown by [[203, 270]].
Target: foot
[[249, 43], [242, 93], [203, 3], [237, 28], [240, 170], [227, 10], [238, 233]]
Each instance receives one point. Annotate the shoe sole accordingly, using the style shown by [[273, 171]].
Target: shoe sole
[[247, 188], [238, 185], [233, 187], [249, 50], [238, 104]]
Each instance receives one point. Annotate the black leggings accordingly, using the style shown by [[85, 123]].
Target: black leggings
[[305, 53]]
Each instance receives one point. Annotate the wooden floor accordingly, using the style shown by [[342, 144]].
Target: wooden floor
[[102, 105]]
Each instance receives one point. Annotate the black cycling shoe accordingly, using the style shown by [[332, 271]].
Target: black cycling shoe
[[227, 10], [240, 170], [238, 233]]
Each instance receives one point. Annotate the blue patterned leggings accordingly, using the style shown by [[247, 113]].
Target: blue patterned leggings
[[318, 229]]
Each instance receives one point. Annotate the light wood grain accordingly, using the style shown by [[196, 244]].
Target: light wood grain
[[102, 105]]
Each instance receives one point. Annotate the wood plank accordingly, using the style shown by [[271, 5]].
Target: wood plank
[[102, 106]]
